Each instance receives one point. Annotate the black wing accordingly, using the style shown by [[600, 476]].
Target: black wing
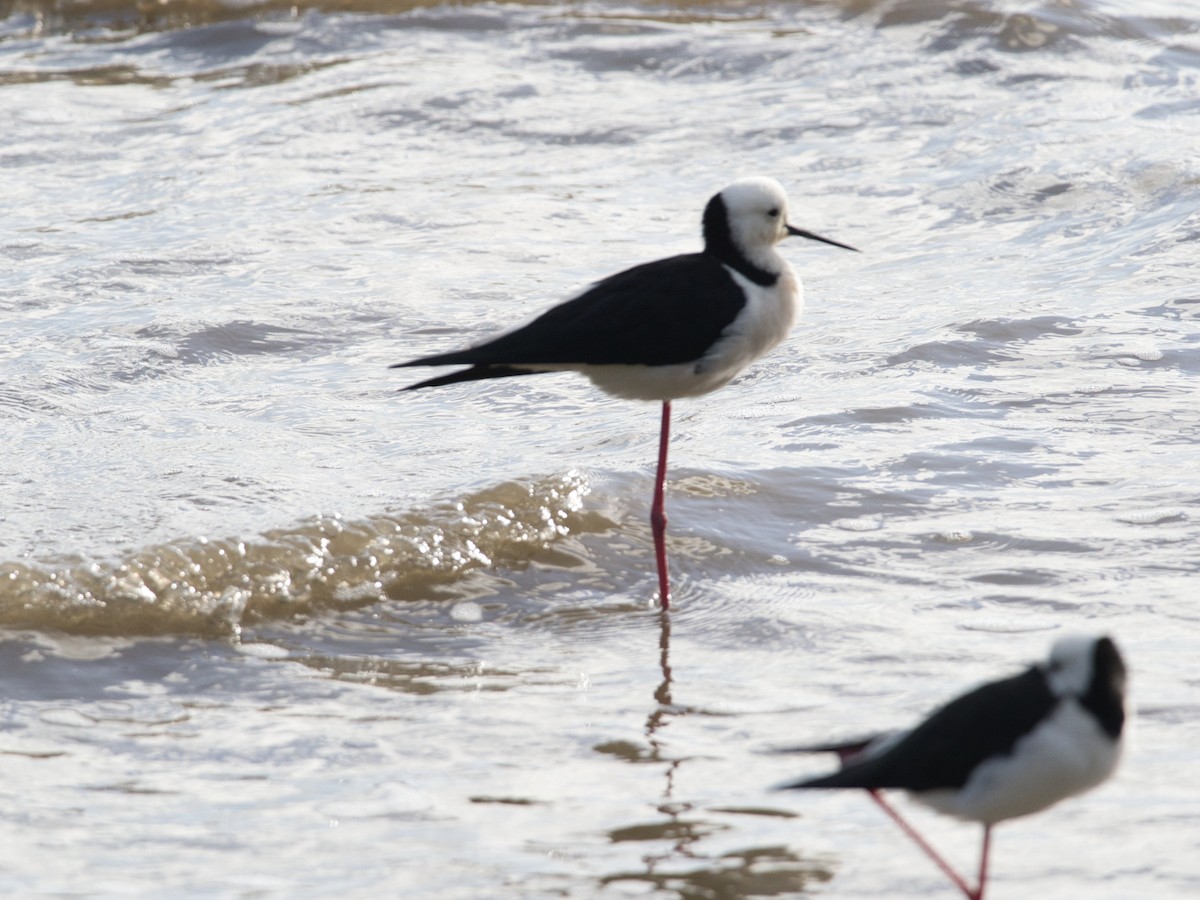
[[943, 750], [656, 314]]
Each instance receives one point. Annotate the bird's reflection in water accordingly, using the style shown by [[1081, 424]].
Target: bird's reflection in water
[[682, 833], [679, 865]]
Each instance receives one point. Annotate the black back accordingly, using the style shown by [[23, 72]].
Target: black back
[[943, 750], [656, 314]]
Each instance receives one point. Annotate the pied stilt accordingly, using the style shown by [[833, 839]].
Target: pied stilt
[[677, 327], [1006, 749]]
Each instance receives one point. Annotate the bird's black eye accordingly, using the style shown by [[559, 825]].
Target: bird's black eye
[[773, 211]]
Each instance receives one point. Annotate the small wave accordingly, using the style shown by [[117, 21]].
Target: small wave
[[214, 587], [983, 25], [987, 342], [72, 15]]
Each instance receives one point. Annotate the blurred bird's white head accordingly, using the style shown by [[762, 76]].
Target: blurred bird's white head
[[1078, 661]]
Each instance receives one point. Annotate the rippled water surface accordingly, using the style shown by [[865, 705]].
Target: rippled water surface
[[272, 629]]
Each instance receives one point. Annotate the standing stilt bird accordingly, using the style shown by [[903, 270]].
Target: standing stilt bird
[[1006, 749], [676, 327]]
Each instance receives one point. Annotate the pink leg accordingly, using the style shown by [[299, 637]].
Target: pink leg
[[983, 860], [658, 516], [958, 880]]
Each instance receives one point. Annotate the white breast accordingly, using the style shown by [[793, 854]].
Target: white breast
[[768, 317]]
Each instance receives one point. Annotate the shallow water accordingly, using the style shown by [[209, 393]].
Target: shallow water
[[273, 629]]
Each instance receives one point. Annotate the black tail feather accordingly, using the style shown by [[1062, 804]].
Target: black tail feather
[[860, 764], [843, 749], [846, 778], [475, 373]]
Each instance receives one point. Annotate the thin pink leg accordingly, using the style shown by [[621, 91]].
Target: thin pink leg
[[958, 880], [983, 860], [658, 515]]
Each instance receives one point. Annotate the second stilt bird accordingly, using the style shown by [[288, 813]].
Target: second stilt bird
[[677, 327], [1007, 749]]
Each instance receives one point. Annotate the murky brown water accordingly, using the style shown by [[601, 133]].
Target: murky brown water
[[272, 629]]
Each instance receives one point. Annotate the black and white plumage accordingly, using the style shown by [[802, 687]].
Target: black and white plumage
[[1006, 749], [677, 327]]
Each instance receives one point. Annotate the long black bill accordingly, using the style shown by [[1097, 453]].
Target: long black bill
[[800, 232]]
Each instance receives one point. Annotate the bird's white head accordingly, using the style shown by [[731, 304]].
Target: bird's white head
[[756, 211], [1080, 664], [744, 222]]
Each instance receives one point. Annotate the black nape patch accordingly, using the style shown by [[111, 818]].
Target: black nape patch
[[1104, 695], [718, 241]]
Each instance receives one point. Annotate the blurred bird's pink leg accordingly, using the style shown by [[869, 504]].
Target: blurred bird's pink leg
[[658, 515], [983, 860], [958, 880]]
